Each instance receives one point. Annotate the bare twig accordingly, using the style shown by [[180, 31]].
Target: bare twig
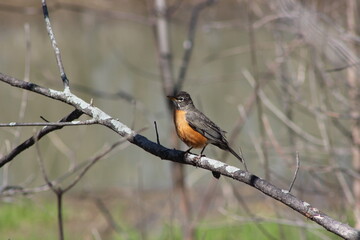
[[55, 46], [288, 222], [206, 200], [80, 8], [296, 171], [61, 191], [343, 67], [189, 43], [325, 83], [12, 190], [24, 96], [29, 142], [41, 164], [157, 133], [92, 162], [259, 104], [173, 8], [57, 190], [139, 200], [164, 48], [274, 142], [107, 12], [44, 119], [109, 218], [320, 119], [59, 124], [300, 132], [250, 213], [315, 30]]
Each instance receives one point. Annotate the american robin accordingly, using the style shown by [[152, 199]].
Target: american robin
[[195, 129]]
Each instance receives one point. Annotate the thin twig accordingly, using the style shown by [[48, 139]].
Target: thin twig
[[274, 142], [55, 46], [261, 219], [343, 67], [157, 133], [24, 98], [324, 103], [164, 47], [41, 164], [93, 161], [44, 119], [29, 142], [296, 171], [25, 94], [80, 8], [59, 195], [11, 190], [109, 218], [251, 214], [259, 104], [59, 124], [57, 190], [189, 43], [280, 115]]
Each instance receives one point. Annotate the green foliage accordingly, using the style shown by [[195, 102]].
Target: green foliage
[[170, 233], [32, 220], [251, 231], [27, 220]]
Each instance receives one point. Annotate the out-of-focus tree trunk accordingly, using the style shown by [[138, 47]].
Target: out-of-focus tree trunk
[[166, 72], [352, 80]]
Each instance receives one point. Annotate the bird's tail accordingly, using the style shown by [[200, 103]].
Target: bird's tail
[[238, 157]]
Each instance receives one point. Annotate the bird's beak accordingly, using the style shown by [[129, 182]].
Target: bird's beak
[[172, 98]]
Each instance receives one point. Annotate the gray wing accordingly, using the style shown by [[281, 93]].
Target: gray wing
[[202, 124]]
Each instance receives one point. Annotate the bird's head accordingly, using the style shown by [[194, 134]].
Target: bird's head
[[181, 100]]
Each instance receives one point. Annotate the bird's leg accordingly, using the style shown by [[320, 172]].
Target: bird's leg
[[188, 151], [201, 153]]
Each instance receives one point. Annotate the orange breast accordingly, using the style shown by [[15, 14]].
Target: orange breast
[[186, 133]]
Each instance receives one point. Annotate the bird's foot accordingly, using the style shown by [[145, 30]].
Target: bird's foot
[[188, 152], [198, 157]]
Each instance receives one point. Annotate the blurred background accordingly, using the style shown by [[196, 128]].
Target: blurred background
[[279, 76]]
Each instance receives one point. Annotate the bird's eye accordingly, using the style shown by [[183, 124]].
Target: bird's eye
[[181, 99]]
